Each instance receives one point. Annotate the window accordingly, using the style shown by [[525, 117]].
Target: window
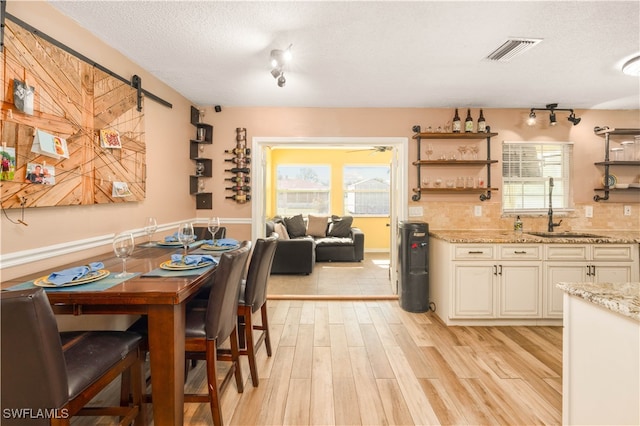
[[526, 169], [366, 190], [303, 189]]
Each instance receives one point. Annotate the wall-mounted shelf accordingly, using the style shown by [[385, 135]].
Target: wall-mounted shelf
[[204, 135], [608, 133], [485, 193]]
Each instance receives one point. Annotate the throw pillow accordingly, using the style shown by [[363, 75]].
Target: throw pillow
[[295, 226], [317, 226], [340, 226], [281, 231]]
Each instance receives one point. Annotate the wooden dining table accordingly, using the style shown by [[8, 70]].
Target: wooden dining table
[[161, 299]]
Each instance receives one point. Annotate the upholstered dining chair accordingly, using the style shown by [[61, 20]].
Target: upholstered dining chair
[[253, 297], [211, 322], [49, 377], [202, 233]]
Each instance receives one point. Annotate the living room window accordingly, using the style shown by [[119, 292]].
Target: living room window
[[366, 190], [303, 189], [526, 168]]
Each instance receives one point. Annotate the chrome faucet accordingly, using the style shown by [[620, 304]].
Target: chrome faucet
[[550, 214]]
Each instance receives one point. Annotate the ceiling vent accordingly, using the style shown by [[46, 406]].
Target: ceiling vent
[[512, 47]]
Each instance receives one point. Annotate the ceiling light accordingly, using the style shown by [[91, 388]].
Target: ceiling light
[[280, 58], [552, 115], [281, 81], [632, 67]]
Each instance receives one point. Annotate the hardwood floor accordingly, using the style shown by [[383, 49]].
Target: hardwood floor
[[371, 363]]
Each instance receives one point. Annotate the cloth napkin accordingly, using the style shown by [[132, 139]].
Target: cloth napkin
[[223, 242], [171, 238], [191, 259], [67, 275]]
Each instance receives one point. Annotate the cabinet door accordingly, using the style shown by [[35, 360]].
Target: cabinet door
[[560, 272], [520, 292], [612, 272], [473, 293]]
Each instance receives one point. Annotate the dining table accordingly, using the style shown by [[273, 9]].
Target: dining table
[[159, 294]]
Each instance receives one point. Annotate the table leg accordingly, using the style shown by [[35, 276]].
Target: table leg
[[166, 349]]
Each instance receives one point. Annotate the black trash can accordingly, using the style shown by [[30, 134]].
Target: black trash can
[[413, 266]]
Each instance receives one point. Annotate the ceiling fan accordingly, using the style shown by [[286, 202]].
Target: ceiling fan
[[375, 149]]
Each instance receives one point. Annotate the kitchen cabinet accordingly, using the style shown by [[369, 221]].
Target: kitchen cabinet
[[485, 192], [484, 284], [608, 180], [585, 263]]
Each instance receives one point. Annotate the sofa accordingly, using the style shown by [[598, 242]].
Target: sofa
[[303, 242]]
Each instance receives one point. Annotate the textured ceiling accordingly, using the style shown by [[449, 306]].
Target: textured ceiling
[[377, 54]]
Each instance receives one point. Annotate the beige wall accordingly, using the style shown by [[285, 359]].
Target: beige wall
[[168, 132]]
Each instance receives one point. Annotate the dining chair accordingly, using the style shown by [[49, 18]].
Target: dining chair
[[202, 233], [253, 297], [49, 377], [211, 322]]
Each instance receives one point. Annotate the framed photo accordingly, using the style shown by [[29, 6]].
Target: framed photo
[[8, 158]]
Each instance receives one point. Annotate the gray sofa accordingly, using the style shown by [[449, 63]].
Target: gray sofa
[[299, 253]]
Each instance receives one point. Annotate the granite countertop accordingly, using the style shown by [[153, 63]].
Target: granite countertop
[[623, 298], [506, 237]]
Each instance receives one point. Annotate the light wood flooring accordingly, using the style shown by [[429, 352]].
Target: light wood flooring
[[371, 363]]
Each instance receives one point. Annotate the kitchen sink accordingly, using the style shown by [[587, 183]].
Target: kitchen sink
[[564, 235]]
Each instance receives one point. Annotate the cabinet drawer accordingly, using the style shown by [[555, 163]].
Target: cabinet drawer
[[612, 252], [566, 252], [519, 251], [472, 252]]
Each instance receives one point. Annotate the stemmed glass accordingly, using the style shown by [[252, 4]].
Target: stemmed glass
[[185, 235], [462, 149], [474, 151], [150, 227], [123, 244], [429, 151], [213, 225]]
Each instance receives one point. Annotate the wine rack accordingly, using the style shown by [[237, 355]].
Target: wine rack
[[240, 182], [203, 166]]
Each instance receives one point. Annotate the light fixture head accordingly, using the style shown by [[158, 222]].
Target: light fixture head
[[282, 81], [632, 67], [280, 58], [572, 118], [276, 72], [552, 119], [532, 118]]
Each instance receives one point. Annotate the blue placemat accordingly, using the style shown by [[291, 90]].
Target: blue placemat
[[99, 285], [159, 272]]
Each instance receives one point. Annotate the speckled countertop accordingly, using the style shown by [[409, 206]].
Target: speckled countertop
[[623, 298], [506, 237]]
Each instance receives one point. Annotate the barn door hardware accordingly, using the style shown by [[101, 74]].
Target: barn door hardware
[[135, 82]]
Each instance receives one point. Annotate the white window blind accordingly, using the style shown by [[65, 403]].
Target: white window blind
[[526, 168]]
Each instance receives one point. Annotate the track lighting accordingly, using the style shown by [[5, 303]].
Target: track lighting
[[280, 58], [632, 67], [552, 115]]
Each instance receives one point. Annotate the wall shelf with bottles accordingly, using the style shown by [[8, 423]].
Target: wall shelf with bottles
[[485, 191], [609, 180], [203, 166]]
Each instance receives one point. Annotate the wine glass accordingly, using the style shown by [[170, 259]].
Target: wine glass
[[123, 244], [429, 151], [150, 227], [462, 149], [185, 235], [213, 225], [474, 151]]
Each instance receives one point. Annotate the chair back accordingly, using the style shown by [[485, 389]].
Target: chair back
[[222, 307], [255, 293], [34, 374]]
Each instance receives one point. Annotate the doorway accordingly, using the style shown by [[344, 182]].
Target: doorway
[[398, 189]]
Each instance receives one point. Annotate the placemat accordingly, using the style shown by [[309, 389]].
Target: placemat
[[159, 272], [100, 285], [192, 245]]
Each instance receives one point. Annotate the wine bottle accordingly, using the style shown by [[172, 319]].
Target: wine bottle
[[240, 198], [238, 170], [482, 125], [239, 179], [238, 188], [236, 151], [468, 122], [456, 122], [239, 160]]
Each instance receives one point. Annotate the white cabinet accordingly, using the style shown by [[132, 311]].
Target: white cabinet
[[516, 283], [585, 263]]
